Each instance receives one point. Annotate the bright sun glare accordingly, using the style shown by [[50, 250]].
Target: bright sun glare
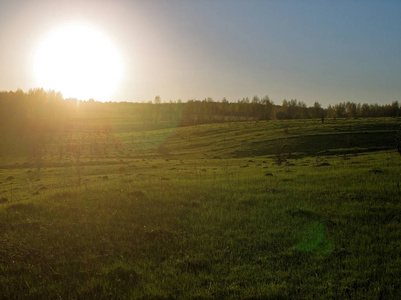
[[79, 61]]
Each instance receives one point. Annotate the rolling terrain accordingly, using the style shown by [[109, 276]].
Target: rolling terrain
[[109, 208]]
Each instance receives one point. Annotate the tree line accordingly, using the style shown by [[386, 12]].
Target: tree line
[[40, 110]]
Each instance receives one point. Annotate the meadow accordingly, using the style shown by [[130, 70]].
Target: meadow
[[110, 208]]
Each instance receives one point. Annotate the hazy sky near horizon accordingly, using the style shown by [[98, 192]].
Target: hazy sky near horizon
[[325, 51]]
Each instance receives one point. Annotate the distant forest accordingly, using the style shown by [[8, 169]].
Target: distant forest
[[40, 109]]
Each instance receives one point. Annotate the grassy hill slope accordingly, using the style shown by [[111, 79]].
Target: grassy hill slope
[[127, 212]]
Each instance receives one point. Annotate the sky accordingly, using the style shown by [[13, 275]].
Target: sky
[[325, 51]]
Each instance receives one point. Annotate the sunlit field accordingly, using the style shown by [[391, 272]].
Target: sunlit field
[[200, 150], [112, 208]]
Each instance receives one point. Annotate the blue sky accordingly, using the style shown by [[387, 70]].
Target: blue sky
[[326, 51]]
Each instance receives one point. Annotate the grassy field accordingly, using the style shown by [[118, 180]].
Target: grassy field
[[112, 209]]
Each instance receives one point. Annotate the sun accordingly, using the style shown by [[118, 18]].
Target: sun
[[79, 61]]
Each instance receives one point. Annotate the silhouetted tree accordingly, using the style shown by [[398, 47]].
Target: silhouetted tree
[[317, 110]]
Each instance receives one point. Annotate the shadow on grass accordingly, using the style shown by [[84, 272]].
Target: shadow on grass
[[324, 144]]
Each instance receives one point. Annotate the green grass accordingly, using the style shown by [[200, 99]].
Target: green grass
[[204, 212]]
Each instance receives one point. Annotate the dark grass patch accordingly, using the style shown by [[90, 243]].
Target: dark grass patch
[[23, 207], [325, 164], [303, 213], [247, 203], [194, 264], [122, 275], [324, 144], [158, 234]]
